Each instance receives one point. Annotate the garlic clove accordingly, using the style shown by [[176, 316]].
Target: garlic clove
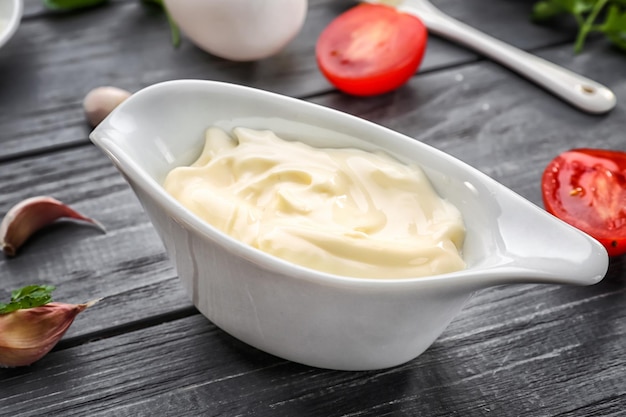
[[30, 215], [29, 334], [101, 101]]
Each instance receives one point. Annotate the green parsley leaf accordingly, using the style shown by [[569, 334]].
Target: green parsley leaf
[[607, 17], [615, 25], [545, 10], [71, 4], [28, 297]]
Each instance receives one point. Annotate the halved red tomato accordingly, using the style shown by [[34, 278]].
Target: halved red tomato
[[587, 189], [371, 49]]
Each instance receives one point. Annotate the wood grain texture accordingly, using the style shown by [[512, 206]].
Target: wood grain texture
[[480, 113], [496, 121], [518, 350], [528, 350], [513, 351], [127, 261], [56, 58]]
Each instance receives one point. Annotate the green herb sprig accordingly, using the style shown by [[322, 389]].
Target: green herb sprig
[[607, 17], [71, 4], [28, 297]]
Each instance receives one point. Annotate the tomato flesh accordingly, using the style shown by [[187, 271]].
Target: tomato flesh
[[371, 49], [587, 189]]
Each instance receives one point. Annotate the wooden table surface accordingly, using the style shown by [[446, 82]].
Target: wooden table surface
[[519, 350]]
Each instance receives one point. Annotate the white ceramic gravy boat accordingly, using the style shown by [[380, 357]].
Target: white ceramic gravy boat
[[304, 315]]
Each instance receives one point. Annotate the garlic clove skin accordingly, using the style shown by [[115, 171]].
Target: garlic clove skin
[[29, 334], [101, 101], [30, 215]]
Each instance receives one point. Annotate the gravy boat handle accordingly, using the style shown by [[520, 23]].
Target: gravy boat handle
[[534, 246], [581, 92]]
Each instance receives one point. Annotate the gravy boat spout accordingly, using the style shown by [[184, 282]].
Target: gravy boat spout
[[304, 315], [533, 246]]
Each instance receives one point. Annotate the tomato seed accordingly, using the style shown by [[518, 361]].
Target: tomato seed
[[577, 191]]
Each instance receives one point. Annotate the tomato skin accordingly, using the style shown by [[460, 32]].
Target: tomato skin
[[371, 49], [587, 189]]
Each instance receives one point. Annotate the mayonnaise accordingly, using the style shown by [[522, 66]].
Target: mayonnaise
[[343, 211]]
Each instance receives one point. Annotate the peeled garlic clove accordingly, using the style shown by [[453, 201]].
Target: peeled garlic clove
[[29, 334], [30, 215], [101, 101]]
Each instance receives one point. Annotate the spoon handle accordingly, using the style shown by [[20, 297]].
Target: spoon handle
[[579, 91]]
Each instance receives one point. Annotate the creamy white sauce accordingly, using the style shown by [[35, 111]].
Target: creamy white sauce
[[342, 211]]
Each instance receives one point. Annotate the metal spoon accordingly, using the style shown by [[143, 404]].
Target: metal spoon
[[581, 92]]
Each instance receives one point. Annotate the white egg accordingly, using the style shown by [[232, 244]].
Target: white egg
[[239, 30]]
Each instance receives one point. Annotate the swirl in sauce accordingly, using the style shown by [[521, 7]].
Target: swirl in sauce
[[342, 211]]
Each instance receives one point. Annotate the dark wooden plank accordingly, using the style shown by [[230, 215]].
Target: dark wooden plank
[[515, 350], [52, 63], [480, 113], [526, 350], [529, 350], [56, 58], [508, 19], [127, 265], [496, 121]]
